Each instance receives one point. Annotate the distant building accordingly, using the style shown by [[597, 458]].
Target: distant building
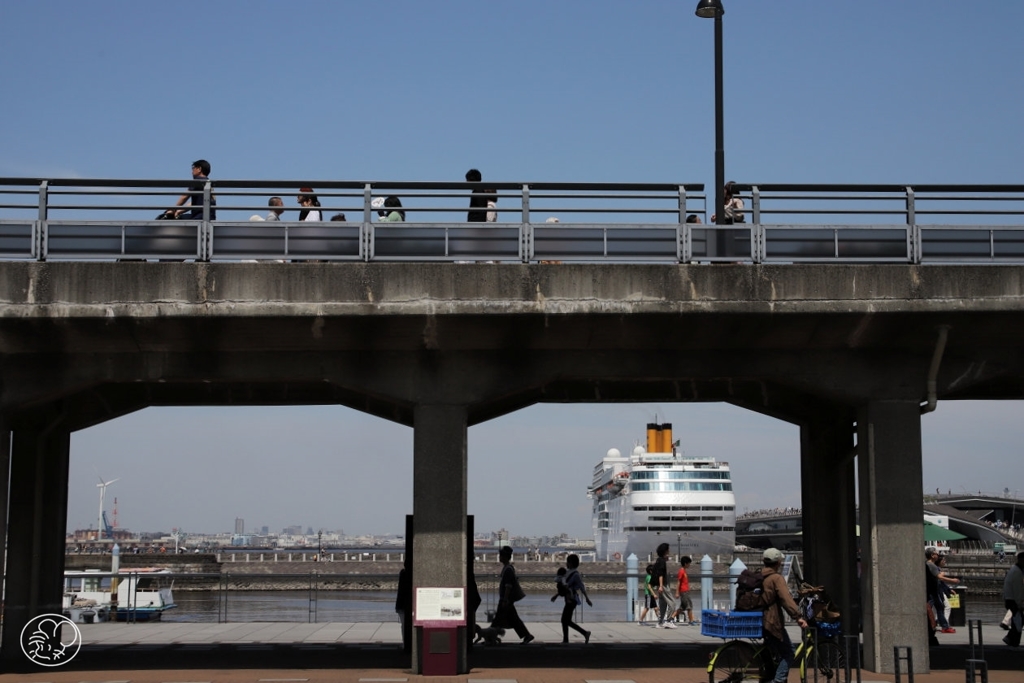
[[265, 530], [239, 525], [294, 530]]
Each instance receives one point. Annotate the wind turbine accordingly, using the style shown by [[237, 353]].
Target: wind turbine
[[103, 492]]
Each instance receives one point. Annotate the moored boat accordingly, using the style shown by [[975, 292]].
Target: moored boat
[[143, 594]]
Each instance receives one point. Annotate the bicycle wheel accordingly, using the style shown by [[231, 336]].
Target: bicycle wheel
[[827, 662], [734, 662]]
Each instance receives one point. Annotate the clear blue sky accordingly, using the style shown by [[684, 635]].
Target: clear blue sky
[[916, 91]]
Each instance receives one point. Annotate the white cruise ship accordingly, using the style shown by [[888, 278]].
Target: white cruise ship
[[657, 495]]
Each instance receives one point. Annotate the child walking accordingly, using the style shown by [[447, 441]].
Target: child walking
[[650, 599], [570, 585]]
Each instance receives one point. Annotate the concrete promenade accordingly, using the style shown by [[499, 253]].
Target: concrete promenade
[[273, 652]]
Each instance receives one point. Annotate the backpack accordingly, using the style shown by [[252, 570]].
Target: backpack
[[749, 588]]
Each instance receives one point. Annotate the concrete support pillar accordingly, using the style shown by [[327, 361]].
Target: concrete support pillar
[[37, 517], [439, 504], [828, 496], [892, 533], [5, 490]]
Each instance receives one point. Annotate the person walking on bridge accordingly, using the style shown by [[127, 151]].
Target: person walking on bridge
[[194, 196]]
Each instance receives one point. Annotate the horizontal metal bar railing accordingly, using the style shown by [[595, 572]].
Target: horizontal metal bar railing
[[70, 218]]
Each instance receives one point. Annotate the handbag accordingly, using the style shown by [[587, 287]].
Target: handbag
[[515, 593]]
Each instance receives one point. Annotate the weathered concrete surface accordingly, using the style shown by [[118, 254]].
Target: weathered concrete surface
[[83, 289], [366, 335]]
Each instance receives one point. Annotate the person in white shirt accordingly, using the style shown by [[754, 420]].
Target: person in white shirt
[[310, 205]]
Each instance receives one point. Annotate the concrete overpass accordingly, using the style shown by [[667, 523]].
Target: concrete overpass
[[848, 351], [842, 351]]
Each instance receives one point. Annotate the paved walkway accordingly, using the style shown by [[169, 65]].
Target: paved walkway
[[371, 653]]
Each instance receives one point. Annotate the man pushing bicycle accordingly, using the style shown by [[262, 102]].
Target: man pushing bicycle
[[775, 597]]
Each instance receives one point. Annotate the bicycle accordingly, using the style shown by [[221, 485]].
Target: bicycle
[[745, 657]]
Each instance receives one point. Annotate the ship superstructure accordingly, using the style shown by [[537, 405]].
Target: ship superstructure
[[657, 495]]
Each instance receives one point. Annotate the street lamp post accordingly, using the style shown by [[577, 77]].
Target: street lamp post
[[712, 9]]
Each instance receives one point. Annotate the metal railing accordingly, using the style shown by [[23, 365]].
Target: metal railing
[[76, 219]]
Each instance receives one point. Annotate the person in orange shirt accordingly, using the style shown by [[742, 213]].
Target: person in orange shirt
[[685, 604]]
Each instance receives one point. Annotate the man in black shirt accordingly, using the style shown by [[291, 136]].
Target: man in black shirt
[[200, 173]]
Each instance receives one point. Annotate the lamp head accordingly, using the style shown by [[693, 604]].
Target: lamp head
[[710, 9]]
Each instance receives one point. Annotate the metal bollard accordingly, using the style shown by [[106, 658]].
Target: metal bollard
[[971, 625], [910, 662], [976, 668], [852, 646]]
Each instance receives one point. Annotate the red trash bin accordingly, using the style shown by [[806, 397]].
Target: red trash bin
[[439, 651]]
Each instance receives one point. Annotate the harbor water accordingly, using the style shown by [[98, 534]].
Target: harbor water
[[378, 606]]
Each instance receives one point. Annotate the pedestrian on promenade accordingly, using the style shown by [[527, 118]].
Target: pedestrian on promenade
[[1013, 595], [570, 588], [510, 592], [650, 597], [685, 604], [776, 598], [660, 579], [934, 577], [403, 604]]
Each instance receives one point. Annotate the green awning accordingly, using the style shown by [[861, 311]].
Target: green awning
[[934, 532]]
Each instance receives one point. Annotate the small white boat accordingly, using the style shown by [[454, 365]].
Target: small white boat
[[143, 594]]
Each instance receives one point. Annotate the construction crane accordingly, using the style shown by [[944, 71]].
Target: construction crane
[[106, 525]]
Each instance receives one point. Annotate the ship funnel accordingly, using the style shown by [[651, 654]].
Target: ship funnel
[[666, 438], [653, 437]]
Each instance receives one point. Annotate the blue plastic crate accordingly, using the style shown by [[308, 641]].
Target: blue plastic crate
[[730, 624], [828, 629]]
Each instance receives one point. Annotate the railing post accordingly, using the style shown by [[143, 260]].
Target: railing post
[[206, 230], [914, 232], [684, 245], [707, 583], [526, 233], [366, 236], [735, 569], [40, 230], [758, 250], [632, 585]]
